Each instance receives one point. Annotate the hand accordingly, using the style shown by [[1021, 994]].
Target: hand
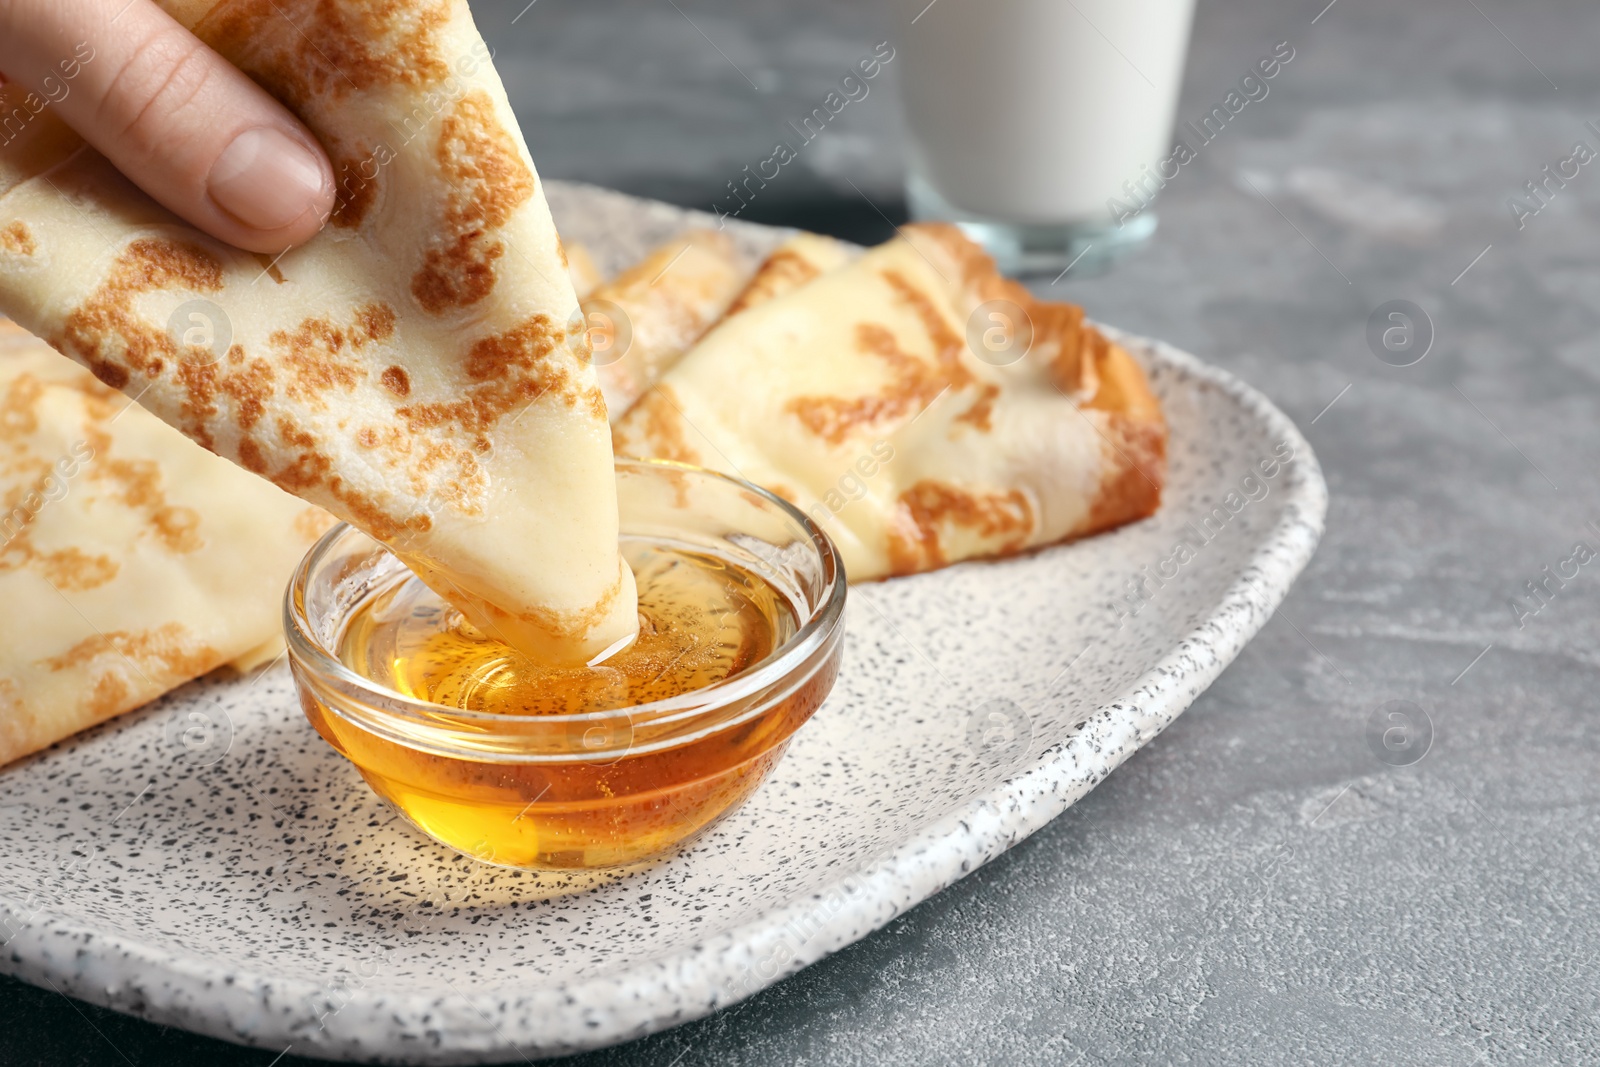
[[179, 120]]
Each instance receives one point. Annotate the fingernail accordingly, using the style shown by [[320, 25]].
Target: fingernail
[[266, 179]]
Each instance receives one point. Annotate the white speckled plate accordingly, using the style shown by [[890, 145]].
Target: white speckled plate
[[258, 892]]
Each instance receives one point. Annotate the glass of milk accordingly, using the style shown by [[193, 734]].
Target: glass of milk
[[1037, 125]]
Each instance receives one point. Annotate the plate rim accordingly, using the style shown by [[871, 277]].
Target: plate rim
[[204, 996]]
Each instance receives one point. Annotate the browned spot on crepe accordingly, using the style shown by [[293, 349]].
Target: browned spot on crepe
[[502, 356], [356, 187], [73, 571], [947, 344], [200, 385], [914, 543], [17, 239], [1133, 439], [340, 47], [177, 527], [1059, 331], [109, 695], [319, 354], [108, 337], [249, 384], [396, 380], [663, 427], [373, 518], [137, 483], [22, 505], [167, 649], [914, 383], [980, 414], [510, 371], [377, 320], [309, 466], [19, 408], [70, 569], [911, 385], [784, 270], [488, 181], [251, 458], [575, 623]]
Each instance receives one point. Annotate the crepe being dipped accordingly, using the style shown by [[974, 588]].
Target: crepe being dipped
[[419, 369], [132, 560], [861, 398]]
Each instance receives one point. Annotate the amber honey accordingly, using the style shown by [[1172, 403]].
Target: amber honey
[[607, 786]]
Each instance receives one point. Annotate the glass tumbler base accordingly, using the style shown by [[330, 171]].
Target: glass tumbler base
[[1085, 248]]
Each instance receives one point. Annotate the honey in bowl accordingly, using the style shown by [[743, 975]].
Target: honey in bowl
[[701, 620], [521, 764]]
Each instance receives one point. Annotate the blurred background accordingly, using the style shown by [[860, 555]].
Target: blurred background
[[672, 100], [1257, 885]]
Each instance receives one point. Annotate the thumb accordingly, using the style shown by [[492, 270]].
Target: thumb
[[179, 120]]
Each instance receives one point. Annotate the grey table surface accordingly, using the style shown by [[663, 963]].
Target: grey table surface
[[1256, 886]]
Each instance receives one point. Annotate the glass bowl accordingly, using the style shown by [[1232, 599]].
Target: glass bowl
[[597, 788]]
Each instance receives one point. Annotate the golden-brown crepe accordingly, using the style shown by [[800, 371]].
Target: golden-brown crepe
[[419, 368], [131, 560], [860, 397], [642, 320]]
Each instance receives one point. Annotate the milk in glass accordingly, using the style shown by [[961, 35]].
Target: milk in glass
[[1027, 117]]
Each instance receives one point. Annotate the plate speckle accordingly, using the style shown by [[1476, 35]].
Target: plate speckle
[[208, 862]]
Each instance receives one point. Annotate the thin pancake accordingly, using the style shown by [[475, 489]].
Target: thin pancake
[[132, 560], [419, 369], [642, 320], [859, 396]]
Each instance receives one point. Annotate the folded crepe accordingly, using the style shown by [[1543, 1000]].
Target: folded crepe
[[860, 397], [419, 369], [131, 559], [641, 321]]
